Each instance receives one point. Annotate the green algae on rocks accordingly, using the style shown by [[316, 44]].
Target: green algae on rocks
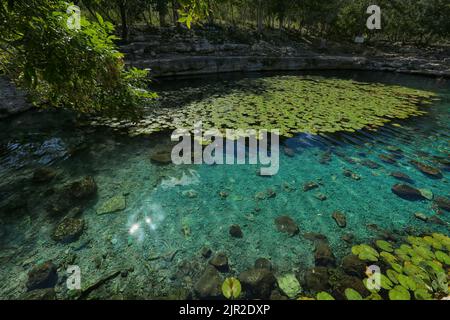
[[291, 104]]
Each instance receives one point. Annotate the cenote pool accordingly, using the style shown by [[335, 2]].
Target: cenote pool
[[138, 227]]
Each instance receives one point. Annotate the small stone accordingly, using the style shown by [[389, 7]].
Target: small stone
[[68, 230], [190, 194], [42, 276], [340, 219], [312, 236], [161, 157], [325, 158], [348, 237], [407, 192], [443, 203], [427, 170], [317, 279], [257, 283], [220, 261], [421, 216], [271, 193], [387, 158], [353, 266], [370, 164], [263, 263], [320, 196], [287, 225], [44, 174], [310, 186], [235, 231], [289, 285], [401, 176], [114, 204], [223, 194], [289, 152], [323, 256], [436, 220], [206, 252], [209, 284], [427, 194], [350, 174]]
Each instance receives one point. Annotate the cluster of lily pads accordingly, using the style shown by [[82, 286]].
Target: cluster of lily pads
[[417, 269], [291, 104]]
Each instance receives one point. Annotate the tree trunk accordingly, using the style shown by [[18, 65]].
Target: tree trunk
[[259, 14], [123, 18]]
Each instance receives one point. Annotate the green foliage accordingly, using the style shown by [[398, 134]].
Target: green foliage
[[352, 294], [324, 296], [65, 67], [231, 288], [399, 293], [365, 252], [288, 103]]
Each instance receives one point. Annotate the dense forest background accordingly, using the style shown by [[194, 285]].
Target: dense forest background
[[413, 21]]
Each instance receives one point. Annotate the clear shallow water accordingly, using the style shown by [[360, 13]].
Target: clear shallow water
[[169, 228]]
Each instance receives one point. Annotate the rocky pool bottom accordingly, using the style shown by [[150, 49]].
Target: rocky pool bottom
[[141, 228]]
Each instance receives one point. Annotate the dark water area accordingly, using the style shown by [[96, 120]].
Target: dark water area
[[156, 222]]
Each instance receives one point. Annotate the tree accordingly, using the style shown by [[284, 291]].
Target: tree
[[66, 67]]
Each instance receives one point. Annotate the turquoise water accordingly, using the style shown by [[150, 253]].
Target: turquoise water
[[172, 212]]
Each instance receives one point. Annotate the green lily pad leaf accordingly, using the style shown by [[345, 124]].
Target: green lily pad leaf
[[422, 294], [392, 275], [384, 245], [442, 257], [386, 283], [352, 294], [407, 282], [324, 296], [399, 293], [231, 288]]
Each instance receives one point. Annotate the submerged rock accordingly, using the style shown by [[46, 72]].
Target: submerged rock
[[353, 266], [320, 196], [443, 203], [421, 216], [257, 283], [349, 282], [350, 174], [68, 230], [39, 294], [162, 155], [340, 219], [401, 176], [220, 261], [263, 263], [235, 231], [325, 158], [209, 284], [370, 164], [114, 204], [323, 255], [287, 225], [289, 152], [427, 194], [310, 186], [206, 252], [74, 194], [390, 159], [427, 170], [42, 175], [407, 192], [42, 276], [190, 194], [289, 285], [317, 279]]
